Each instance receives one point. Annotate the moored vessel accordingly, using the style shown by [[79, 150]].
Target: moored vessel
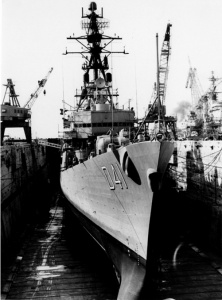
[[109, 172], [195, 168]]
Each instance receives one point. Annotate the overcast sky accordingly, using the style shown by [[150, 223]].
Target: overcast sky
[[34, 36]]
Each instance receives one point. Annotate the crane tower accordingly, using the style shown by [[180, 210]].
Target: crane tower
[[160, 87], [157, 107]]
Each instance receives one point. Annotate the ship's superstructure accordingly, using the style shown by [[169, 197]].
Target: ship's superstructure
[[96, 110], [109, 174]]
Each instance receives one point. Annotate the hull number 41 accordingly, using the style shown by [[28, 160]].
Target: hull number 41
[[116, 177]]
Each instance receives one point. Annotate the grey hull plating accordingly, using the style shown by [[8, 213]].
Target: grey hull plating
[[112, 196]]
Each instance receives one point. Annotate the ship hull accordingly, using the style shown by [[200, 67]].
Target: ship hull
[[112, 196], [127, 264], [195, 170]]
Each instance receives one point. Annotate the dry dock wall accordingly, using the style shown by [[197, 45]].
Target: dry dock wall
[[195, 171], [25, 188]]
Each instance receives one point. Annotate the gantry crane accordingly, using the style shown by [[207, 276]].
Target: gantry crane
[[14, 116]]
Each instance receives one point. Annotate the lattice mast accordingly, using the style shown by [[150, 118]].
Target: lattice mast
[[97, 61]]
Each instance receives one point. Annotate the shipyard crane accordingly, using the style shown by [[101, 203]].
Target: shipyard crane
[[164, 65], [14, 116], [158, 108], [160, 87], [196, 89], [34, 96]]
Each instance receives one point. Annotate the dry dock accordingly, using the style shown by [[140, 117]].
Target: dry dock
[[57, 260]]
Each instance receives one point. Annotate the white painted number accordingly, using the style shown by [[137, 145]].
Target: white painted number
[[117, 177]]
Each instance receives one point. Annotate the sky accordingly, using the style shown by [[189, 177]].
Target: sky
[[34, 37]]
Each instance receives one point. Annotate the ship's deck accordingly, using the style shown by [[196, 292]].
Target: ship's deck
[[57, 260]]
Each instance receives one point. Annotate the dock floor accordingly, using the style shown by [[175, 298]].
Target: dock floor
[[59, 261], [192, 276]]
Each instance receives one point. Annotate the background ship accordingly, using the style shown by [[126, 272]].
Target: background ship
[[110, 179], [195, 169], [203, 118]]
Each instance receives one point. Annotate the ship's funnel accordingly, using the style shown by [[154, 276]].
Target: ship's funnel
[[100, 83]]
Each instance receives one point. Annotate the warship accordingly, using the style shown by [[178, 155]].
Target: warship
[[202, 118], [110, 169]]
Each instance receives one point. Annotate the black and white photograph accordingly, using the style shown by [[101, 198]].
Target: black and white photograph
[[111, 149]]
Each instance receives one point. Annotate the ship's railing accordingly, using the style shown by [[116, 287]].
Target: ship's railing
[[44, 143]]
